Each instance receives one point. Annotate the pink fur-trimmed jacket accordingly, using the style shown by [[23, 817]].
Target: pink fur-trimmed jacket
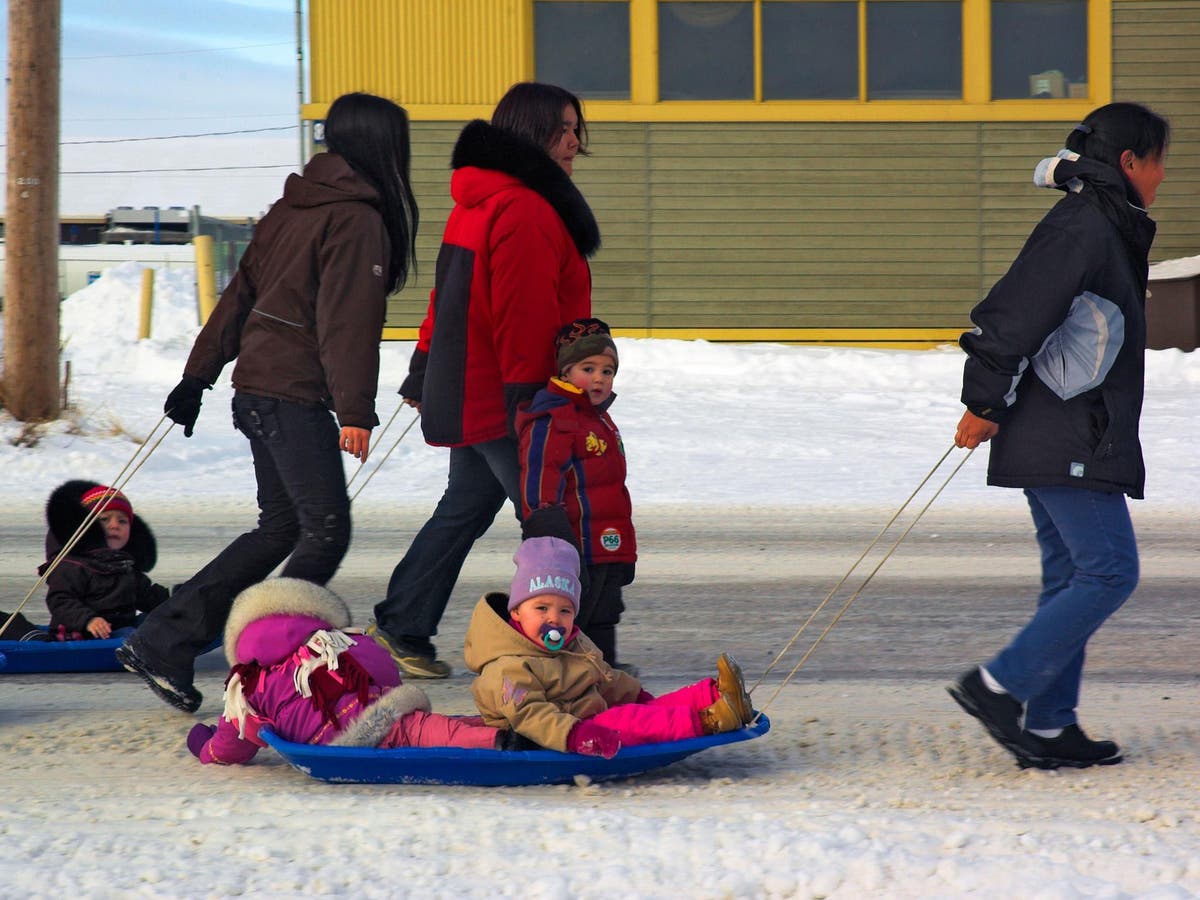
[[296, 671]]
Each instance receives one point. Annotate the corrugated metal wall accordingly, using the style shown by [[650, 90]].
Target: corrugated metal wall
[[417, 45], [837, 225]]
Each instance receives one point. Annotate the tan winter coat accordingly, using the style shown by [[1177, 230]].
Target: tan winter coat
[[538, 693]]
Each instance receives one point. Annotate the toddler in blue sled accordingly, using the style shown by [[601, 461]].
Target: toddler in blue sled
[[297, 670], [539, 675], [100, 588]]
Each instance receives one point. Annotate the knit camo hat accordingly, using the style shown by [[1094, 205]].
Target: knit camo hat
[[581, 339]]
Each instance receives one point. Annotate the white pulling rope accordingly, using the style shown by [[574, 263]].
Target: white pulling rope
[[866, 581], [375, 471], [820, 606], [378, 441], [116, 485]]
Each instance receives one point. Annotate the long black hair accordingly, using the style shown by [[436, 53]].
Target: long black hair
[[371, 134], [533, 110], [1110, 130]]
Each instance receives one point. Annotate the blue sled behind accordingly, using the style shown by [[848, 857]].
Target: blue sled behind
[[30, 657], [490, 768]]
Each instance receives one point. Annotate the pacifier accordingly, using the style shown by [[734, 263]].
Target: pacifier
[[553, 637]]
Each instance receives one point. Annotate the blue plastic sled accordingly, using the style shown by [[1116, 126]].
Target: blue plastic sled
[[490, 768], [28, 657]]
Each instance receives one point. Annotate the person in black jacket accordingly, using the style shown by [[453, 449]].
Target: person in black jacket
[[1054, 379], [303, 317]]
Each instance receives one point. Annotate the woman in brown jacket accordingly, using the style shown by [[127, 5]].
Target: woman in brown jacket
[[303, 317]]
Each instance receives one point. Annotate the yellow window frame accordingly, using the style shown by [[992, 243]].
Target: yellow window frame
[[976, 103]]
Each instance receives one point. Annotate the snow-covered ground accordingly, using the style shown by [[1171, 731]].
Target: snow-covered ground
[[862, 789]]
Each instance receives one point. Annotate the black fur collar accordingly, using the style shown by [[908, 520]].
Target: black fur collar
[[65, 513], [486, 147]]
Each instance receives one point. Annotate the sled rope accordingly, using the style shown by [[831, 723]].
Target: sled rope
[[820, 606], [846, 606], [117, 484], [375, 471], [378, 441]]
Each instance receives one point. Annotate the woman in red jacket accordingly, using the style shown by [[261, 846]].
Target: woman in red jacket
[[511, 272], [303, 317]]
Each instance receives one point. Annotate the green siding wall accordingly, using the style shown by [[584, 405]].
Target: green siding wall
[[836, 225]]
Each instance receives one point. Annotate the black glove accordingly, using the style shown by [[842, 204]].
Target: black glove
[[183, 403]]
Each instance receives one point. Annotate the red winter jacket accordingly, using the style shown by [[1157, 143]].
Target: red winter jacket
[[511, 272], [571, 454]]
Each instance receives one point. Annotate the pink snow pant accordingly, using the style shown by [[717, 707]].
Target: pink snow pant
[[428, 729], [671, 717]]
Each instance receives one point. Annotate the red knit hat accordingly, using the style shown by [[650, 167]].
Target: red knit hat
[[112, 500]]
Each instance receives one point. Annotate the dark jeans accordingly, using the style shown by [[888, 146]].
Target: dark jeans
[[1089, 568], [600, 605], [481, 477], [304, 517]]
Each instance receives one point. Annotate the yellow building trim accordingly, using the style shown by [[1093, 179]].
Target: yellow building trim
[[903, 338]]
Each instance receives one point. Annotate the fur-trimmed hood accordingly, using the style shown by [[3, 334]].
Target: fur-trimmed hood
[[485, 146], [302, 600], [65, 513]]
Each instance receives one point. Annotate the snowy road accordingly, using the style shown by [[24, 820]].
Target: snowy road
[[871, 783]]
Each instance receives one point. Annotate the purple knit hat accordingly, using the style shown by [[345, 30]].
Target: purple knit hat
[[545, 565]]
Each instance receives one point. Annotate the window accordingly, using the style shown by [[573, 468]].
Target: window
[[810, 60], [705, 51], [584, 47], [914, 50], [1039, 48], [810, 51]]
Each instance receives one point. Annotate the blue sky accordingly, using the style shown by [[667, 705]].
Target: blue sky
[[175, 69], [158, 67]]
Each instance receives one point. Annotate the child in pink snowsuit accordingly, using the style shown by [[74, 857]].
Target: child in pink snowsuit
[[539, 675], [296, 670]]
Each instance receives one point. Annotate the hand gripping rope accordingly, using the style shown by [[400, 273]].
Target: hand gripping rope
[[117, 484], [865, 582], [378, 441]]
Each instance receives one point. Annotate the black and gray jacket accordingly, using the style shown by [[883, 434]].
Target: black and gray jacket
[[1057, 353]]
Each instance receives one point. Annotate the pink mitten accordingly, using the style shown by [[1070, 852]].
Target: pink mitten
[[591, 739]]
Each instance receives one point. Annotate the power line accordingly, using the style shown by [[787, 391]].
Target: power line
[[176, 52], [171, 137], [157, 171]]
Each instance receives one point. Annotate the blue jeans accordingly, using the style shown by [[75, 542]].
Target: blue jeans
[[481, 477], [1089, 568], [304, 517]]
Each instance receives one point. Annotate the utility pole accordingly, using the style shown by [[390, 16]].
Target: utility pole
[[30, 376]]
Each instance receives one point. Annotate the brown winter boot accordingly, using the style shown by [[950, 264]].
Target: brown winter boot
[[719, 718], [733, 688]]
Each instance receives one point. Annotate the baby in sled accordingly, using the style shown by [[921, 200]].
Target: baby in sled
[[539, 675]]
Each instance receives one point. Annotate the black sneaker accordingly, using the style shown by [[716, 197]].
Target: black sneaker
[[180, 694], [1000, 714], [1072, 749]]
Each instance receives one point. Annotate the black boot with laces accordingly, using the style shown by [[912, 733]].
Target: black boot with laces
[[1071, 749]]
